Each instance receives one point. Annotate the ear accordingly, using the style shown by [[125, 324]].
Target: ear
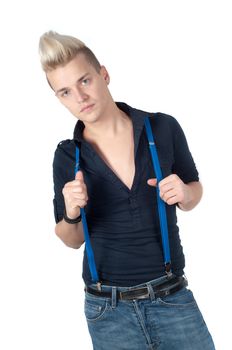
[[104, 73]]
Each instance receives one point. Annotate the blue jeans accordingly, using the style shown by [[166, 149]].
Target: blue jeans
[[170, 323]]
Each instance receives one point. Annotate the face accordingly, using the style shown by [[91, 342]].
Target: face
[[81, 89]]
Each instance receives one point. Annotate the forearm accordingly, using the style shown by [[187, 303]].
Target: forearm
[[193, 195], [71, 234]]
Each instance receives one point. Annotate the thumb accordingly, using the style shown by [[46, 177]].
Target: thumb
[[79, 176], [152, 182]]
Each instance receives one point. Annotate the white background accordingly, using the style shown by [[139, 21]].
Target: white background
[[172, 56]]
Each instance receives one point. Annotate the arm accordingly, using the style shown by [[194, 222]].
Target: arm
[[75, 197], [71, 234], [193, 194], [174, 191]]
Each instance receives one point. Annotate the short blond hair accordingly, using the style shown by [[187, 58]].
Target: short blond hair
[[57, 50]]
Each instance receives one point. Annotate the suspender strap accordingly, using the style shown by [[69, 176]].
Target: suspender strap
[[89, 250], [160, 202]]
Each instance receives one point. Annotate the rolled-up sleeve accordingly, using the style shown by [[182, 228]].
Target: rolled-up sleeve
[[63, 172], [184, 165]]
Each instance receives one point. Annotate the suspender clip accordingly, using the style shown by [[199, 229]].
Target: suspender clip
[[168, 269], [99, 286]]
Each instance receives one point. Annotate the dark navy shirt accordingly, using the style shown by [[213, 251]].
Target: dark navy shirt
[[124, 224]]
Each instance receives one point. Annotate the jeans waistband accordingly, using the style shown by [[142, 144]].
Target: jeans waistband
[[153, 289]]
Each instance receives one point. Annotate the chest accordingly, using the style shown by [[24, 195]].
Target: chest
[[118, 155]]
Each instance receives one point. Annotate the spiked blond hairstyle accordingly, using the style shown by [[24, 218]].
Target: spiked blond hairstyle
[[57, 50]]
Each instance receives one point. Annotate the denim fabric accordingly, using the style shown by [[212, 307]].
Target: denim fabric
[[170, 323]]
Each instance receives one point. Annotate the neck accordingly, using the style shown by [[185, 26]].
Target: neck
[[112, 123]]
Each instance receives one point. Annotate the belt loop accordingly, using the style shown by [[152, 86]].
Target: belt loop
[[151, 291], [114, 297]]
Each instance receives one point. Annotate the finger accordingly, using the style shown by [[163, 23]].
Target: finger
[[152, 182], [173, 178], [80, 196], [79, 203], [79, 176], [165, 187], [172, 200], [167, 195], [76, 200], [78, 188]]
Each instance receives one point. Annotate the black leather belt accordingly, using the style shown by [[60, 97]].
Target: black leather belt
[[165, 288]]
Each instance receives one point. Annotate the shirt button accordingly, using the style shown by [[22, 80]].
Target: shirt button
[[133, 202]]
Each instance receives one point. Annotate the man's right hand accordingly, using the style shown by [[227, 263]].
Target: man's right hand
[[75, 195]]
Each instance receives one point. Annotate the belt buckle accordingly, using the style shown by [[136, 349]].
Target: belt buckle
[[145, 296]]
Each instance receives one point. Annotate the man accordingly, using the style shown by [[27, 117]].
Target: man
[[134, 299]]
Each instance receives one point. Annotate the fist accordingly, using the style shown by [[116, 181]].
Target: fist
[[172, 189], [75, 195]]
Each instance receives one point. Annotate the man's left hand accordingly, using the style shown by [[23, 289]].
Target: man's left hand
[[172, 189]]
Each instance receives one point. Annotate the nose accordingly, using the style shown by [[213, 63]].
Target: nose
[[79, 95]]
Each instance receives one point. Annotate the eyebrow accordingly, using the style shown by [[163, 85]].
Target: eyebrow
[[66, 88]]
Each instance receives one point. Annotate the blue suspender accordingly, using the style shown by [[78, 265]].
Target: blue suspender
[[161, 210], [161, 204], [89, 250]]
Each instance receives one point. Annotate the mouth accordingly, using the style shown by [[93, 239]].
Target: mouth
[[87, 108]]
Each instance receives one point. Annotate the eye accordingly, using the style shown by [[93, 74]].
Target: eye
[[65, 93], [85, 81]]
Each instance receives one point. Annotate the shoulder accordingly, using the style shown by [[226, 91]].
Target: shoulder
[[163, 119], [164, 125], [155, 117], [65, 152], [160, 122], [65, 146]]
